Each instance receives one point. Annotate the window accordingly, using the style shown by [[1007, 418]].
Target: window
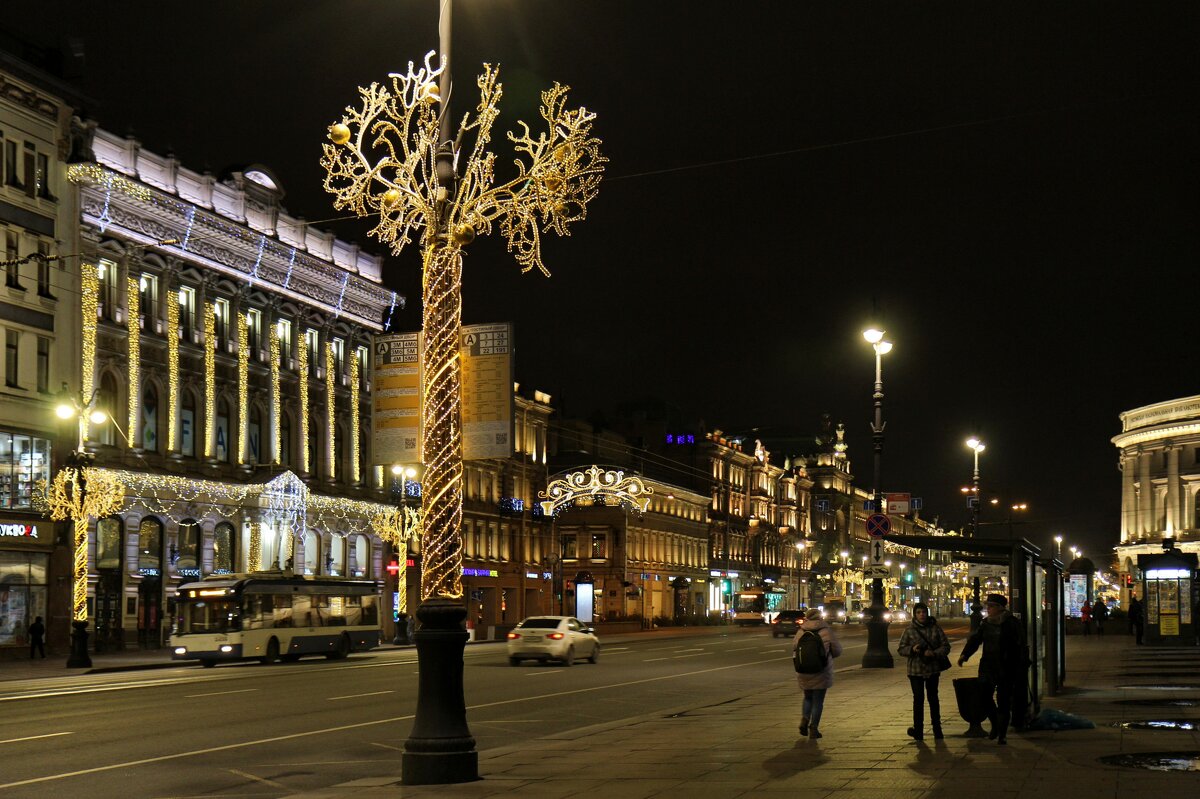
[[224, 445], [362, 354], [43, 262], [600, 545], [568, 546], [254, 436], [285, 440], [43, 177], [106, 400], [43, 364], [23, 575], [187, 312], [254, 331], [150, 547], [283, 328], [107, 271], [150, 419], [12, 345], [187, 425], [339, 358], [187, 552], [10, 165], [148, 302], [224, 540], [221, 317], [30, 158], [12, 254], [23, 461], [108, 543], [312, 341]]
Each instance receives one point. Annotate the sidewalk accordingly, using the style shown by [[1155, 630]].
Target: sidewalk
[[751, 748]]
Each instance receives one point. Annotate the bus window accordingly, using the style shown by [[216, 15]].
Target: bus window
[[352, 611], [206, 617], [281, 611], [256, 611], [370, 610]]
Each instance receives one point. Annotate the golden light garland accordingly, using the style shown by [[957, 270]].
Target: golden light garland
[[133, 298], [210, 377], [302, 360], [355, 439], [243, 334], [96, 175], [66, 498], [385, 158], [255, 557], [173, 374], [330, 413], [398, 527], [600, 485], [276, 400], [89, 303]]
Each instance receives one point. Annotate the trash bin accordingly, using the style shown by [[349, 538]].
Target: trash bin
[[974, 704]]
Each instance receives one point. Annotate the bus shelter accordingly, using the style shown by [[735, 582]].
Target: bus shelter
[[1035, 596], [1169, 597]]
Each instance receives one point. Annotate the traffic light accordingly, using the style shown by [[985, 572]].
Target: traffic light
[[1129, 581]]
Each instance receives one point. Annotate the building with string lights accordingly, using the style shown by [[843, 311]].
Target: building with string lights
[[228, 346]]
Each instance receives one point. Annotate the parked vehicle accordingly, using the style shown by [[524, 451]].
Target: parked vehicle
[[546, 638]]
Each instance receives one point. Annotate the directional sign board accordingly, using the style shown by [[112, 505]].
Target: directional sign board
[[898, 503], [877, 572], [878, 525]]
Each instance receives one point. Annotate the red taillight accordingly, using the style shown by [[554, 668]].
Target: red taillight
[[513, 635], [555, 636]]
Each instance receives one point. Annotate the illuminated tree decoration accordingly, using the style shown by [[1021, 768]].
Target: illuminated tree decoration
[[67, 498], [89, 303], [210, 377], [243, 367], [399, 527], [133, 323], [172, 375], [386, 158], [595, 486]]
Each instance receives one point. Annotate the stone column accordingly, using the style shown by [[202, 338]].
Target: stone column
[[1128, 497], [1145, 495], [1173, 515]]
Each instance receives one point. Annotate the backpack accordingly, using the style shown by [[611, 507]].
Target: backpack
[[810, 655]]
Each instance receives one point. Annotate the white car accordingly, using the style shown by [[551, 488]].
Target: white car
[[545, 638]]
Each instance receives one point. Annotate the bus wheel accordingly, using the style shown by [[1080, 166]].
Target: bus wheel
[[272, 653], [342, 651], [208, 664]]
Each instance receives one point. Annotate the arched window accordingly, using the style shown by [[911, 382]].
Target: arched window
[[188, 425], [187, 549], [312, 552], [224, 547], [149, 419], [150, 546], [337, 546], [224, 444], [361, 564], [108, 543]]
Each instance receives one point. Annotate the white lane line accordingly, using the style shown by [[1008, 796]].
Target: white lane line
[[742, 648], [541, 672], [616, 649], [221, 693], [692, 649], [358, 696], [263, 780], [35, 737], [652, 660], [360, 725], [698, 654], [386, 746]]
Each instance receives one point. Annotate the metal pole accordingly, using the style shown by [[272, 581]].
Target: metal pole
[[976, 603], [877, 655]]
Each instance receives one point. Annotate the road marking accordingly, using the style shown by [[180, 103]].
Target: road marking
[[652, 660], [742, 648], [221, 693], [358, 696], [677, 657], [263, 780], [387, 746], [692, 649], [540, 672], [35, 737]]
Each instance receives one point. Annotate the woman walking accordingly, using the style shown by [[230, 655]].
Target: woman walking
[[814, 643], [925, 645]]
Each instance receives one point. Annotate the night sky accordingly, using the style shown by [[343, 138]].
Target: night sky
[[1011, 191]]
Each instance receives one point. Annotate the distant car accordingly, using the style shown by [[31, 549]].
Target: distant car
[[546, 638], [786, 622], [835, 612], [889, 615]]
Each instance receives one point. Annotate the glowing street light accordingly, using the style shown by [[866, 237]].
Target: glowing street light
[[877, 656]]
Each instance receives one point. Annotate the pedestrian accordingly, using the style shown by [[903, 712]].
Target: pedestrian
[[412, 628], [1085, 616], [1137, 618], [815, 684], [1002, 666], [37, 638], [925, 645], [1100, 614]]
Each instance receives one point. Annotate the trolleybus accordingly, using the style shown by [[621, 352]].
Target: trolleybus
[[272, 616]]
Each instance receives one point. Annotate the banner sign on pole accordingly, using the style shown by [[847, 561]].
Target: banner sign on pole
[[396, 399], [487, 391]]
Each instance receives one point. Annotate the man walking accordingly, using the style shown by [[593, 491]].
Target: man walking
[[1002, 667], [1100, 614], [37, 638], [1137, 618]]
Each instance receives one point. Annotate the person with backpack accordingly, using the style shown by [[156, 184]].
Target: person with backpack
[[926, 646], [813, 651], [1100, 614]]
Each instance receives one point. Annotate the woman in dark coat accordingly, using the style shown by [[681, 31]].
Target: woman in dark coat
[[924, 643], [815, 685]]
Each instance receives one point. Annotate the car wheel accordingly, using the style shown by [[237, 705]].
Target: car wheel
[[342, 651], [569, 658], [208, 664], [514, 661], [272, 653], [595, 656]]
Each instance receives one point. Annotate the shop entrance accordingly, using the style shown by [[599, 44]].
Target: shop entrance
[[150, 613]]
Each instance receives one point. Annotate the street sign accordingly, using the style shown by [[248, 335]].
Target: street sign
[[898, 503], [869, 505], [987, 571], [876, 553], [916, 503], [877, 571], [878, 525]]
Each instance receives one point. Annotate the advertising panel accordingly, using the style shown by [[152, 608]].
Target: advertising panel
[[396, 399], [487, 391], [1076, 594]]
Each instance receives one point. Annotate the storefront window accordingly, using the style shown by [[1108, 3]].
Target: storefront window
[[23, 461], [150, 547], [187, 563], [223, 544], [108, 544], [22, 594]]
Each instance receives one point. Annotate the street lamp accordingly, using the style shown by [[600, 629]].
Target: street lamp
[[1058, 539], [977, 447], [877, 655], [392, 157], [796, 576]]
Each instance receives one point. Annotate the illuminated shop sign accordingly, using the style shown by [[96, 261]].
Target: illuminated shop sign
[[18, 530], [480, 573], [680, 438]]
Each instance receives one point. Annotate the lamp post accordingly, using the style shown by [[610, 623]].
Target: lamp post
[[392, 157], [78, 493], [977, 447], [1058, 539], [877, 655], [796, 573]]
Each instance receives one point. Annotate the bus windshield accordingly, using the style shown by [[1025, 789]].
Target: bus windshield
[[208, 616]]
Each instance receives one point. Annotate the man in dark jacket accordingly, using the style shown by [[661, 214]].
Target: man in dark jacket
[[37, 638], [1137, 618], [1002, 667]]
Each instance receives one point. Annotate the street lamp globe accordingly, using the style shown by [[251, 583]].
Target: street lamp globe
[[64, 411], [98, 416], [883, 347], [873, 335]]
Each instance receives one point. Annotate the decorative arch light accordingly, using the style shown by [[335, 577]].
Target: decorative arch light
[[595, 486]]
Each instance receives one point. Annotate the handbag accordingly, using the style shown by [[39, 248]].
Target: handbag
[[943, 661]]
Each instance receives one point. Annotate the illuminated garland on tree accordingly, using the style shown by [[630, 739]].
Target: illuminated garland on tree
[[387, 158], [355, 436], [243, 334], [89, 303], [133, 323], [302, 360], [276, 400], [172, 374], [330, 412], [210, 377]]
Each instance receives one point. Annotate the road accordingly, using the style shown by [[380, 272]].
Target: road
[[265, 731]]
